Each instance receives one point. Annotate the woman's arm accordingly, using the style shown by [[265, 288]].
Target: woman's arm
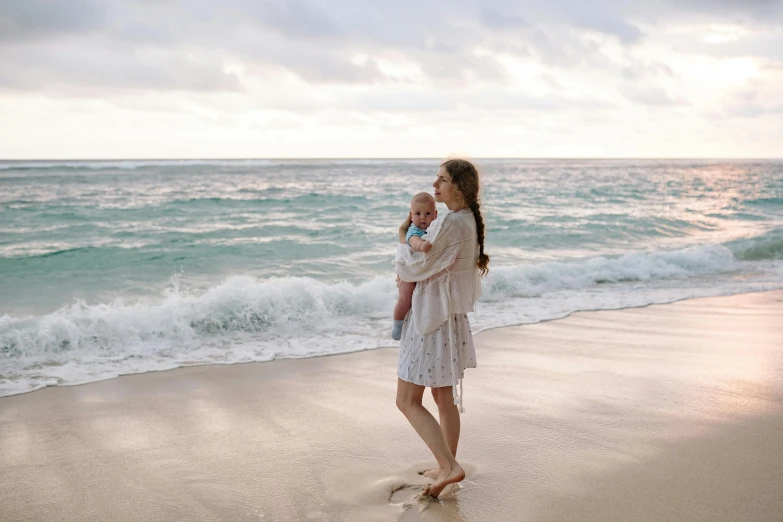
[[404, 228], [414, 266]]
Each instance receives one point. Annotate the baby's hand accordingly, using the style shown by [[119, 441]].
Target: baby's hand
[[425, 246]]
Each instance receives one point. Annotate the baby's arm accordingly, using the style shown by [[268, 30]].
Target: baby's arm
[[419, 244]]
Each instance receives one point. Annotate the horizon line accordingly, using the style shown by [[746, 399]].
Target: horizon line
[[434, 158]]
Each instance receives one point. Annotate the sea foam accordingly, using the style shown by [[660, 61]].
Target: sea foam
[[245, 319]]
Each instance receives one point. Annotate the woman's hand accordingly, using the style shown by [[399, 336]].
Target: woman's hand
[[404, 228], [406, 224]]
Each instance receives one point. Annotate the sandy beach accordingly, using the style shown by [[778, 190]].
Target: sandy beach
[[670, 412]]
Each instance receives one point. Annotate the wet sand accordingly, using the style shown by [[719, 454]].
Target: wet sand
[[671, 412]]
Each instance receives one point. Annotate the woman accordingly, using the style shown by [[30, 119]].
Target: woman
[[437, 344]]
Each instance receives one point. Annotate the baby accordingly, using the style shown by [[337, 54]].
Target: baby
[[423, 212]]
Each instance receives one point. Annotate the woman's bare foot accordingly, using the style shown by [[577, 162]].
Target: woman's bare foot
[[431, 473], [455, 474]]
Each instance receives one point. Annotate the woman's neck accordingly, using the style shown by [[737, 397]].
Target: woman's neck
[[456, 207]]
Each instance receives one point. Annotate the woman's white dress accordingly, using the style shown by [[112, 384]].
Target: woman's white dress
[[437, 343]]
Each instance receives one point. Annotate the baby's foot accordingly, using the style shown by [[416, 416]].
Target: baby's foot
[[397, 330]]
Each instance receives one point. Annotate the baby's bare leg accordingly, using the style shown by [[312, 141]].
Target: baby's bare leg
[[403, 300], [401, 308]]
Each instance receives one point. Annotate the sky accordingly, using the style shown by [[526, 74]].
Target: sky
[[402, 79]]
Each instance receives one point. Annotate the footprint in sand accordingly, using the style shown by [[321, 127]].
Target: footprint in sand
[[366, 487], [409, 491], [407, 495]]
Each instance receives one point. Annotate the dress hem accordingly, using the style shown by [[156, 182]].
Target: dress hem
[[448, 385]]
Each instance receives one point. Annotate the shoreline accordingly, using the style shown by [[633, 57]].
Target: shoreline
[[479, 332], [668, 411]]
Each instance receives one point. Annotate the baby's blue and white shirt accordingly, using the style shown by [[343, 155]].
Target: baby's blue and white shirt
[[413, 230]]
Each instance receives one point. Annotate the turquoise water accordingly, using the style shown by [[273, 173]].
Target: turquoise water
[[121, 267]]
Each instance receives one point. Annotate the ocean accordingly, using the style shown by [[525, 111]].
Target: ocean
[[119, 267]]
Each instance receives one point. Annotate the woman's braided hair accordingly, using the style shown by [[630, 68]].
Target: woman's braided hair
[[466, 179]]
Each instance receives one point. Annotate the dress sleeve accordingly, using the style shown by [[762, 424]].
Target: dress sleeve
[[413, 266]]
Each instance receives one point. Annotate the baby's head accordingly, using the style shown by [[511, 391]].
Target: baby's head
[[423, 211]]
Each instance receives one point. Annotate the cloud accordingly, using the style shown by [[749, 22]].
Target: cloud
[[757, 99], [41, 19], [314, 39], [753, 110], [426, 63], [494, 19], [751, 7], [294, 18], [92, 70], [653, 96], [768, 45], [607, 23]]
